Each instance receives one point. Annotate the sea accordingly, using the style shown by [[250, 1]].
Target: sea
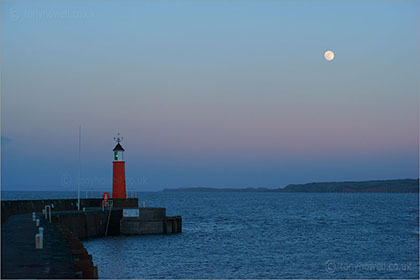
[[257, 235]]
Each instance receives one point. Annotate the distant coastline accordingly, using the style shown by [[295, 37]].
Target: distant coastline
[[376, 186]]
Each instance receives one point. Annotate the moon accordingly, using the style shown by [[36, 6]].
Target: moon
[[329, 55]]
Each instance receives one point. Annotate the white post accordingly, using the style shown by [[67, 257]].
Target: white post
[[33, 216], [78, 183], [39, 241], [37, 222], [41, 232]]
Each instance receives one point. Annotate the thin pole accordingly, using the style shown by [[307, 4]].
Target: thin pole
[[78, 181], [109, 217]]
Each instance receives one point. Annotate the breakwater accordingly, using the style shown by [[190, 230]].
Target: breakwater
[[12, 207], [68, 226]]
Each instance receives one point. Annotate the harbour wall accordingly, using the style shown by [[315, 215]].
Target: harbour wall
[[99, 223], [73, 227], [96, 221], [93, 221], [12, 207]]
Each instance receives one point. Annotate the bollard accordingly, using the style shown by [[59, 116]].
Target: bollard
[[33, 216], [37, 222], [84, 209], [41, 231], [43, 212], [144, 204], [39, 241]]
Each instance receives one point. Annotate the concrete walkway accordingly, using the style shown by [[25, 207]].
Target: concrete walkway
[[20, 259]]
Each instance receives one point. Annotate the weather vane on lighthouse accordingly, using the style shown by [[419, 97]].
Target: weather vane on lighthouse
[[118, 139], [118, 170]]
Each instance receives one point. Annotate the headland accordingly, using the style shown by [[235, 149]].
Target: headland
[[374, 186]]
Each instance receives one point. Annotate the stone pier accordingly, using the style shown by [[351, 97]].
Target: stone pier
[[64, 255]]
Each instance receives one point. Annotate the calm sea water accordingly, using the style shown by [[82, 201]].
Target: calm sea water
[[267, 235]]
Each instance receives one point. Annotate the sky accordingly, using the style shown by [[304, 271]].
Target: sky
[[215, 94]]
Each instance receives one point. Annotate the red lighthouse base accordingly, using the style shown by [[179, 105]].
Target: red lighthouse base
[[118, 179]]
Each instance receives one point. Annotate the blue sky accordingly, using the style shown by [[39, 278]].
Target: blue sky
[[218, 94]]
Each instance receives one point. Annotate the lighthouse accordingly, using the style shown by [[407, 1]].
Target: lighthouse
[[118, 170]]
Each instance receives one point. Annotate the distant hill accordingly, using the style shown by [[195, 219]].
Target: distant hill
[[377, 186], [205, 189], [387, 186]]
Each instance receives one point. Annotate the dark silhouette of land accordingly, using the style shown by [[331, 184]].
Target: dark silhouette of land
[[377, 186]]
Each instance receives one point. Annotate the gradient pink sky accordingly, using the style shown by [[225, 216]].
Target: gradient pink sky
[[209, 94]]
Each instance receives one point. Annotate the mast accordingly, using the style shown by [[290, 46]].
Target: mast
[[78, 181]]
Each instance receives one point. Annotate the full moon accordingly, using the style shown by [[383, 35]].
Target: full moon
[[329, 55]]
